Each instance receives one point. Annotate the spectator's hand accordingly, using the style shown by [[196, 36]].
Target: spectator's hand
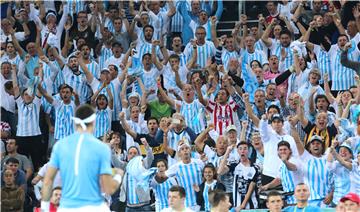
[[158, 82], [144, 142], [203, 157], [312, 24], [283, 53], [143, 108], [221, 68], [338, 97], [245, 97], [244, 124], [328, 198], [75, 94], [264, 117], [326, 77], [292, 120], [347, 46], [122, 116], [311, 55], [210, 127], [27, 58], [14, 67], [263, 188], [67, 26], [44, 59], [193, 42], [313, 90], [273, 22], [282, 18], [213, 20], [196, 188], [229, 149], [155, 42], [261, 19], [19, 18]]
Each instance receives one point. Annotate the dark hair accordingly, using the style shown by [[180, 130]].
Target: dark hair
[[174, 56], [275, 107], [112, 7], [82, 12], [176, 36], [115, 67], [148, 26], [256, 61], [57, 188], [164, 161], [179, 189], [84, 111], [5, 63], [343, 35], [216, 196], [104, 96], [12, 160], [285, 31], [146, 54], [213, 169], [272, 194], [81, 46], [200, 27], [284, 143], [321, 96], [153, 118], [242, 143], [63, 86]]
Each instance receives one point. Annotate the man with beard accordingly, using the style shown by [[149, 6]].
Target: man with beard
[[117, 56], [145, 46], [91, 64], [151, 137], [190, 108], [82, 29], [276, 47], [75, 78], [54, 200], [64, 110]]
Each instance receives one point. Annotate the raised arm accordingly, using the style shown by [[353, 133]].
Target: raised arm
[[200, 140], [45, 94], [88, 74], [126, 126], [96, 94], [298, 142], [167, 99], [190, 63], [124, 101], [166, 146], [154, 58], [250, 111], [203, 101], [17, 46], [14, 81], [265, 37], [143, 90], [327, 89], [300, 111], [223, 168], [213, 31], [349, 63]]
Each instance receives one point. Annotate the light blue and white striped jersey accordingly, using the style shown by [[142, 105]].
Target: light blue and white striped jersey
[[28, 117], [355, 177], [132, 198], [194, 114], [112, 60], [247, 57], [343, 78], [289, 179], [161, 193], [79, 6], [187, 175], [169, 77], [177, 19], [149, 80], [93, 68], [103, 122], [64, 125], [212, 156], [59, 80], [204, 52], [115, 87], [105, 54], [323, 62], [316, 175], [173, 139], [110, 25], [144, 47], [16, 60], [77, 82], [182, 56], [276, 50], [207, 188], [160, 22], [342, 181], [193, 25], [226, 56]]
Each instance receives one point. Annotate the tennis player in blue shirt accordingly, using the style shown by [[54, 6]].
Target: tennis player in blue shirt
[[84, 164]]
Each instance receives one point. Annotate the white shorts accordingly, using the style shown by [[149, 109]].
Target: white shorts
[[91, 208]]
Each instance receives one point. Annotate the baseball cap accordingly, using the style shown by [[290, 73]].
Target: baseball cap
[[134, 94], [352, 197], [278, 117], [230, 127], [316, 138], [346, 145]]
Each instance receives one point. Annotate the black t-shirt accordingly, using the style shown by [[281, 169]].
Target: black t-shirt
[[156, 146], [328, 134]]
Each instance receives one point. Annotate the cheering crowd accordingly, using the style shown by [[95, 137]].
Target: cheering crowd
[[266, 116]]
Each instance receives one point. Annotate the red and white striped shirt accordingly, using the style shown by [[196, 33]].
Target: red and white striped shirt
[[222, 116]]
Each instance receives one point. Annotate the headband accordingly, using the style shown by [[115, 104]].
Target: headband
[[185, 143], [83, 122]]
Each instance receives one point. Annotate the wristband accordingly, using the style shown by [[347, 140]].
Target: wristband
[[45, 206], [118, 178]]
